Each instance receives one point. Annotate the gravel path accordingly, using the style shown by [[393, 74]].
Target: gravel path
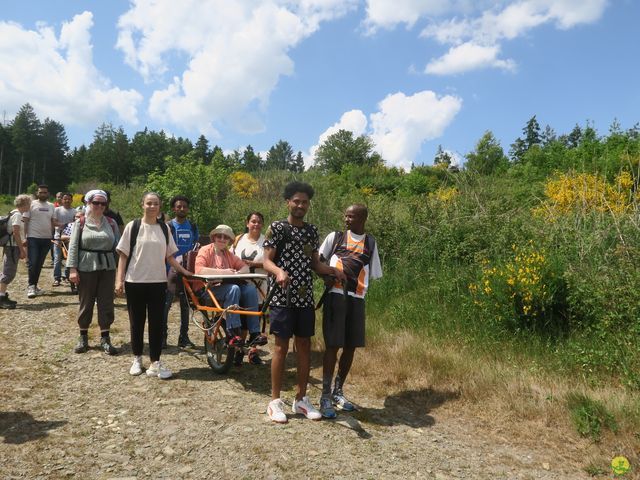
[[66, 415]]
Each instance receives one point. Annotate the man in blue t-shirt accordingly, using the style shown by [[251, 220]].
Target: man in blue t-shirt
[[185, 234]]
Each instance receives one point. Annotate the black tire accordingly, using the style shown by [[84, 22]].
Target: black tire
[[219, 354]]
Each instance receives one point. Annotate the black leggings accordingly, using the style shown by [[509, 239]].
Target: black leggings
[[146, 299]]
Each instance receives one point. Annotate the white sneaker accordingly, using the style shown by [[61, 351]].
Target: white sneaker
[[136, 366], [276, 412], [31, 291], [39, 291], [305, 407], [156, 369]]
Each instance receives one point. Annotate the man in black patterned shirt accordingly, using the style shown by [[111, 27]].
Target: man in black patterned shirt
[[290, 253]]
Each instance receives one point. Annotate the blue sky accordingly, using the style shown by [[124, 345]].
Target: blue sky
[[412, 74]]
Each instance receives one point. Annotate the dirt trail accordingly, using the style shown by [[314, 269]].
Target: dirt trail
[[66, 415]]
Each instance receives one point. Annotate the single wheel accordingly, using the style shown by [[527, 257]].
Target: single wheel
[[219, 354]]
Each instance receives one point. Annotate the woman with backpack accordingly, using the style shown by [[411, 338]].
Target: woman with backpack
[[13, 249], [92, 268], [145, 248]]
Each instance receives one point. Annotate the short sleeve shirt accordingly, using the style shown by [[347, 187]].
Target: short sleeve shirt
[[149, 254], [40, 215], [15, 220], [297, 245]]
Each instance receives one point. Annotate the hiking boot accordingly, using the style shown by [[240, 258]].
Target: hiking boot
[[185, 342], [7, 304], [105, 344], [305, 408], [136, 366], [254, 358], [238, 358], [341, 402], [56, 283], [83, 344], [258, 340], [275, 410], [326, 407], [156, 369], [31, 291]]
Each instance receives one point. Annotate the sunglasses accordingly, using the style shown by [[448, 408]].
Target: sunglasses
[[99, 204]]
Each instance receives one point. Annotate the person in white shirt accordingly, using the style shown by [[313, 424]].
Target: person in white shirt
[[145, 246], [39, 224]]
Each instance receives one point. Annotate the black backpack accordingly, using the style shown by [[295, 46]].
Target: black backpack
[[5, 233]]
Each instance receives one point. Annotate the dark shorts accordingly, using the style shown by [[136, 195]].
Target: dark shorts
[[343, 321], [285, 322]]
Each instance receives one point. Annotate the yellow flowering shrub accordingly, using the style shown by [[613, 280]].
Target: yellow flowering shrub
[[77, 199], [517, 289], [243, 184], [585, 193], [444, 194]]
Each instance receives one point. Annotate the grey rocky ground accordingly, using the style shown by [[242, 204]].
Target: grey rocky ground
[[66, 415]]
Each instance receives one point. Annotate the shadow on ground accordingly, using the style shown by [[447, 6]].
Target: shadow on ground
[[411, 407], [21, 427]]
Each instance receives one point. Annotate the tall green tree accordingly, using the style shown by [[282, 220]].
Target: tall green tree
[[149, 150], [341, 148], [251, 161], [279, 156], [201, 149], [297, 164], [487, 157], [55, 168], [442, 158], [26, 134]]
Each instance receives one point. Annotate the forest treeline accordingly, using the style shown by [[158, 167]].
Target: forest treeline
[[34, 151]]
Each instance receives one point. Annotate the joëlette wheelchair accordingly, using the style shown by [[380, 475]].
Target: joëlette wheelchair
[[212, 319]]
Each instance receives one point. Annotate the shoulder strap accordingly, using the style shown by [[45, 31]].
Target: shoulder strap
[[133, 239], [370, 243], [237, 239], [165, 230]]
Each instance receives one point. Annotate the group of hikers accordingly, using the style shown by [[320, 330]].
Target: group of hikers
[[146, 259]]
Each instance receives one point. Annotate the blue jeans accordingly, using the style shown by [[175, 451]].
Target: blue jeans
[[37, 249], [244, 295], [57, 263]]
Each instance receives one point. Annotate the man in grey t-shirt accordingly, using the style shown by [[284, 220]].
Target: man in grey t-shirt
[[38, 225]]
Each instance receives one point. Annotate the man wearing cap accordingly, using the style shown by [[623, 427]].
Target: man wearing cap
[[216, 259], [39, 223]]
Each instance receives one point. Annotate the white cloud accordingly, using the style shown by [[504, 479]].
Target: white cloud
[[57, 75], [236, 53], [403, 123], [386, 14], [400, 126], [468, 56], [476, 30]]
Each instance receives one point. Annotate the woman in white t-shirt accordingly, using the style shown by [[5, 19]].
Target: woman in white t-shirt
[[248, 246], [142, 274]]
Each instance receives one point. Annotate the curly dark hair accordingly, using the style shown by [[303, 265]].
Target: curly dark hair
[[294, 187], [179, 198]]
